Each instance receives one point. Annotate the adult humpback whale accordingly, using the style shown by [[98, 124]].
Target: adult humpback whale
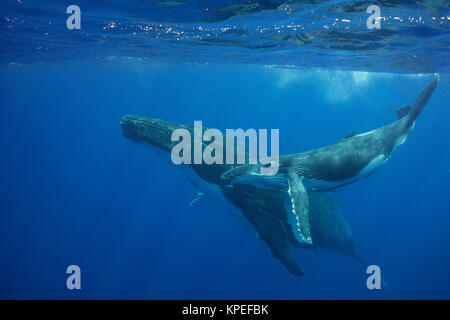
[[323, 225], [333, 166], [265, 210]]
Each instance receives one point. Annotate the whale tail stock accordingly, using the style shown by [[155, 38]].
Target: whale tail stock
[[420, 102]]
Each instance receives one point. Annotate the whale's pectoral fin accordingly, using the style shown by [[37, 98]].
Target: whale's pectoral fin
[[300, 205], [402, 111]]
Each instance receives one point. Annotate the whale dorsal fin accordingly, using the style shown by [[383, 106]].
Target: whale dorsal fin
[[402, 111], [350, 135]]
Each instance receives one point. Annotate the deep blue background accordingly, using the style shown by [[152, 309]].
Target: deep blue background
[[75, 191]]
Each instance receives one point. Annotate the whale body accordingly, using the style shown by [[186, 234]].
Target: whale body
[[352, 158]]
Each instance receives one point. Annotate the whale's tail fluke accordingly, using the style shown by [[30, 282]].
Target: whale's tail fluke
[[421, 101]]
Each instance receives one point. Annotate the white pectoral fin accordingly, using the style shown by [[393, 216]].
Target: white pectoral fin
[[300, 205]]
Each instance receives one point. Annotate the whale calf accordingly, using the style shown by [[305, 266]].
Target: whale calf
[[348, 160]]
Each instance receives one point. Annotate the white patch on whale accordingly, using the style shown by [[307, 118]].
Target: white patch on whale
[[321, 185], [275, 182], [401, 140], [373, 165], [365, 133]]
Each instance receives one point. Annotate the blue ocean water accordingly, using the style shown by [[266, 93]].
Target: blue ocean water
[[75, 191]]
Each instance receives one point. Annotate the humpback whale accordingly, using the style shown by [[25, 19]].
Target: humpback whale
[[298, 209], [348, 160], [265, 210]]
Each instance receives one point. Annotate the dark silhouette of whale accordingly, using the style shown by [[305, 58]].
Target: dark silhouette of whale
[[313, 220]]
